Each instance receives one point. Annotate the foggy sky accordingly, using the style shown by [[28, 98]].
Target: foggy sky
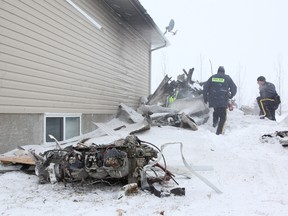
[[247, 37]]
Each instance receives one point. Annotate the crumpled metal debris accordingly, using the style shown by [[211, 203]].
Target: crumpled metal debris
[[278, 136], [176, 103], [121, 159], [124, 160], [177, 120]]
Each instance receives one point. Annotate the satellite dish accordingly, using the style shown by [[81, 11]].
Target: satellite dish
[[170, 27]]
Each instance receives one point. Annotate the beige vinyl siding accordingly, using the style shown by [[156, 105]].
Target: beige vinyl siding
[[52, 59]]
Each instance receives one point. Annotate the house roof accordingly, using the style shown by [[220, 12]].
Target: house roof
[[137, 17]]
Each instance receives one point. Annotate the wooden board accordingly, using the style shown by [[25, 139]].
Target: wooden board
[[25, 159]]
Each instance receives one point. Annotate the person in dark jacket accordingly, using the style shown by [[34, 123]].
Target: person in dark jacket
[[218, 89], [269, 100]]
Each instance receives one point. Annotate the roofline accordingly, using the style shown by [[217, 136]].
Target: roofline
[[150, 21], [144, 25]]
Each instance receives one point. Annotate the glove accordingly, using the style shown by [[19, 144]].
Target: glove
[[230, 95]]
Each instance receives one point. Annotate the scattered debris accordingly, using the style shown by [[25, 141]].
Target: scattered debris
[[128, 114], [106, 129], [175, 99], [122, 159], [16, 157], [146, 126], [277, 136], [128, 190], [10, 167], [21, 159], [120, 212], [125, 160], [247, 110], [17, 160], [177, 120]]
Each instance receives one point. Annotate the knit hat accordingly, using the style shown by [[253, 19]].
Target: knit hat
[[261, 78], [221, 69]]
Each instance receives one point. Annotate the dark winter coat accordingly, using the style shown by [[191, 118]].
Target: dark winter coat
[[218, 89], [267, 90]]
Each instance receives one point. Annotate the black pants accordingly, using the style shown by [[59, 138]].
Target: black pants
[[220, 116], [267, 107]]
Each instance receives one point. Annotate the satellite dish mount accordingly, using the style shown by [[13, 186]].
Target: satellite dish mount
[[170, 27]]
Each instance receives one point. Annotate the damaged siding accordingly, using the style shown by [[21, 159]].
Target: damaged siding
[[53, 59]]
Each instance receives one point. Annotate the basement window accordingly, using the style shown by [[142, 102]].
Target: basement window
[[62, 126]]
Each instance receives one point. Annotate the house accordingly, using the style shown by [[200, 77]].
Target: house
[[67, 63]]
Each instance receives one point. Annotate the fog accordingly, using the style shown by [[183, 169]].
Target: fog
[[248, 38]]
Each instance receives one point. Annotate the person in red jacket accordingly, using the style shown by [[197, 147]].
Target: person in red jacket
[[269, 100]]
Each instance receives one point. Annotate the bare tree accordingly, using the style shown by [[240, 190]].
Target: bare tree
[[241, 72], [211, 66], [164, 61]]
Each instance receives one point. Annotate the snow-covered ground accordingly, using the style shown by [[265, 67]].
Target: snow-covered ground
[[251, 174]]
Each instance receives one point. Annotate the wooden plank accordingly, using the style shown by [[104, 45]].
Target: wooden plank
[[24, 159]]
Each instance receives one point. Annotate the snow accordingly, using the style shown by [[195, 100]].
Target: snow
[[251, 174]]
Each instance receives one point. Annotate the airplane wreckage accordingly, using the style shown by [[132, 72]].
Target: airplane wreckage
[[180, 101], [128, 159]]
